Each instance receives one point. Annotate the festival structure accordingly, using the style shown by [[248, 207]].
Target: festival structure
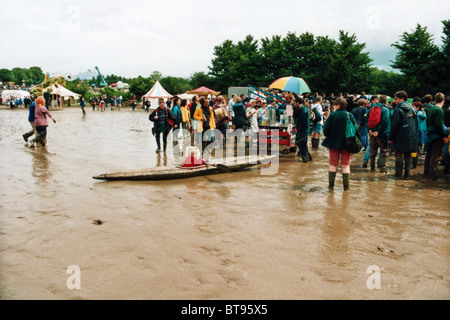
[[204, 91], [58, 94], [156, 92]]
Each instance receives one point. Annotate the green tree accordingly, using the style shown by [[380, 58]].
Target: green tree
[[113, 79], [223, 68], [35, 75], [175, 85], [416, 52], [199, 79], [349, 69], [78, 86], [19, 75], [140, 86], [385, 82], [442, 66], [6, 75]]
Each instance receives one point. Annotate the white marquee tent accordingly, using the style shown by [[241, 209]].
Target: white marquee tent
[[7, 94], [156, 92], [64, 93]]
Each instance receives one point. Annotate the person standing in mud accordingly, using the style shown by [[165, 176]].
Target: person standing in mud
[[239, 114], [334, 131], [205, 115], [160, 117], [302, 124], [378, 132], [195, 135], [404, 134], [315, 140], [40, 121], [82, 105], [436, 135], [178, 118], [31, 117]]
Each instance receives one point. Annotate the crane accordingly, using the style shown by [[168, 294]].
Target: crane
[[102, 80]]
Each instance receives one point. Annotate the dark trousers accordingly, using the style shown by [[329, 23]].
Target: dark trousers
[[376, 143], [434, 153], [41, 133], [400, 157], [302, 144], [158, 139]]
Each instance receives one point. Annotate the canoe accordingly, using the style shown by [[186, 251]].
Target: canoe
[[179, 172]]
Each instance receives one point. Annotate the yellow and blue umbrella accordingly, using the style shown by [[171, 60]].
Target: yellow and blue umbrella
[[292, 84]]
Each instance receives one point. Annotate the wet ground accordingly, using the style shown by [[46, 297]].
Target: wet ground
[[227, 236]]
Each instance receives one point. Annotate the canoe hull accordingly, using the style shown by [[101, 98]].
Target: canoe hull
[[176, 172]]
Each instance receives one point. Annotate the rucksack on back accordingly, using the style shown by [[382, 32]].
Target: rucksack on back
[[374, 117]]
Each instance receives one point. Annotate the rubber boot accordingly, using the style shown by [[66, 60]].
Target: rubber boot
[[398, 169], [346, 181], [331, 179], [382, 165], [407, 170], [315, 143], [414, 162], [309, 156], [372, 163]]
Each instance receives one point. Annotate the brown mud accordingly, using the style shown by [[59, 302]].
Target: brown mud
[[227, 236]]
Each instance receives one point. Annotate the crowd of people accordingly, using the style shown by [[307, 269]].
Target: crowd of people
[[101, 103], [397, 127], [400, 128]]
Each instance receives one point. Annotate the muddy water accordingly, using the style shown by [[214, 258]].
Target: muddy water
[[226, 236]]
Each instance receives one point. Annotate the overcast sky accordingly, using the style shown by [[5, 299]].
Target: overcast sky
[[177, 37]]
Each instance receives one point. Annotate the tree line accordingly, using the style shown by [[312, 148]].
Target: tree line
[[327, 65]]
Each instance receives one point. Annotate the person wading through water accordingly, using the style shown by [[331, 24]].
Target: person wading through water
[[162, 118]]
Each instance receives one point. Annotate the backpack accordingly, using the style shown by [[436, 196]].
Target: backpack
[[352, 138], [374, 117], [315, 116], [220, 113]]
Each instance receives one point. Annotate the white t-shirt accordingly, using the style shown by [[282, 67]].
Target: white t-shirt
[[253, 119], [319, 108]]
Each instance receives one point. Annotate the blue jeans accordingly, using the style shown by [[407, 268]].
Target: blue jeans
[[364, 136], [367, 155]]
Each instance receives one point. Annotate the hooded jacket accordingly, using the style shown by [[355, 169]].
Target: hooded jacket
[[404, 128], [385, 122], [334, 129]]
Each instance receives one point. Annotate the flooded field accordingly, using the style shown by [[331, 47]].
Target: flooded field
[[227, 236]]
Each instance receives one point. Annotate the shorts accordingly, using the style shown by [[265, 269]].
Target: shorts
[[344, 156], [318, 128]]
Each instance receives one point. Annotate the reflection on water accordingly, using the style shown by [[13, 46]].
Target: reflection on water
[[239, 235], [40, 164]]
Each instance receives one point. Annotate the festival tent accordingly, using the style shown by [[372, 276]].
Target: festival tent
[[156, 92], [88, 75], [186, 96], [121, 85], [204, 91], [65, 94], [7, 94]]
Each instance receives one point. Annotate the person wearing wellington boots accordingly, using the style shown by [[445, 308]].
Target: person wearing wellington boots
[[160, 117], [334, 131], [403, 134]]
